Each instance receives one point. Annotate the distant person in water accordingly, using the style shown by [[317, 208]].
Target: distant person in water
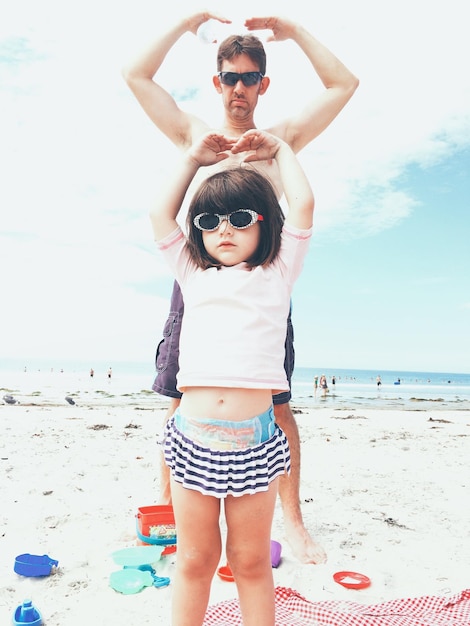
[[379, 382]]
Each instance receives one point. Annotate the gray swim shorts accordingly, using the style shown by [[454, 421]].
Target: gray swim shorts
[[166, 358]]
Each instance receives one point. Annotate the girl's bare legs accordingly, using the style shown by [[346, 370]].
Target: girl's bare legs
[[199, 550], [304, 547], [249, 520]]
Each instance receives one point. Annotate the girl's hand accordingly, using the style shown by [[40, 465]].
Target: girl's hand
[[211, 148], [263, 145]]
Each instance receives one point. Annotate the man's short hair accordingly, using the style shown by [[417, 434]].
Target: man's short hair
[[235, 45]]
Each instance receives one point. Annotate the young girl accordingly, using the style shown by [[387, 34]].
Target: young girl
[[236, 269]]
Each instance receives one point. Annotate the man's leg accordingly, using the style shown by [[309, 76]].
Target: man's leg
[[303, 546], [166, 362]]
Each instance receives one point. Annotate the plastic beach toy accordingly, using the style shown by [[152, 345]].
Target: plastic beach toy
[[33, 565], [352, 580], [158, 581], [131, 580], [139, 555], [26, 613], [155, 525], [134, 579], [276, 550], [225, 573]]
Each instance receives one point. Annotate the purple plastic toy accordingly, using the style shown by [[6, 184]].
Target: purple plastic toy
[[276, 549]]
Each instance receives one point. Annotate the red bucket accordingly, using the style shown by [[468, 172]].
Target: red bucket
[[155, 525]]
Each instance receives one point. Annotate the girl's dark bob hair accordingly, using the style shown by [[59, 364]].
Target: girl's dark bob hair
[[227, 191]]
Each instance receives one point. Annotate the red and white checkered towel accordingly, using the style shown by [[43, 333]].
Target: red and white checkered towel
[[292, 609]]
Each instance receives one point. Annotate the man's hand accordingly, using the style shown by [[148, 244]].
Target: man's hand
[[282, 28]]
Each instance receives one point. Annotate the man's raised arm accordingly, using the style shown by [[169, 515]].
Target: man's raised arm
[[160, 106], [340, 84]]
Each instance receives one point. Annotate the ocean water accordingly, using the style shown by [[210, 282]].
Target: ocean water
[[40, 383], [130, 383], [399, 389]]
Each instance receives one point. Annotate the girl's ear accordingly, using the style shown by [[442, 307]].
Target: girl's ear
[[216, 82]]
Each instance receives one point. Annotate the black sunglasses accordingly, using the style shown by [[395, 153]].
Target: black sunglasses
[[248, 78], [242, 218]]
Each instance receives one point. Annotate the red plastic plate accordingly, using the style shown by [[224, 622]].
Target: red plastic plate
[[352, 580], [225, 573]]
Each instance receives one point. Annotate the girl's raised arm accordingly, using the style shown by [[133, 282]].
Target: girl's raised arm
[[296, 186], [209, 149]]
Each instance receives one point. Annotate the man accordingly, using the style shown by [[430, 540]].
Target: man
[[240, 81]]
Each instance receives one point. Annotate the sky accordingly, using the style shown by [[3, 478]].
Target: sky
[[386, 284]]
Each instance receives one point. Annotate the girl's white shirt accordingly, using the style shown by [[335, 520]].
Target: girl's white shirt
[[235, 318]]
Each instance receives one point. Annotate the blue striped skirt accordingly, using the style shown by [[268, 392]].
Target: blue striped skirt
[[220, 472]]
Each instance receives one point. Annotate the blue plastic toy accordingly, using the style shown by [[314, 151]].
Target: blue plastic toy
[[132, 579], [26, 613], [138, 555], [33, 565], [158, 581]]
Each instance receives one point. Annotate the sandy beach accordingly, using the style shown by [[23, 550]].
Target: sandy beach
[[385, 492]]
